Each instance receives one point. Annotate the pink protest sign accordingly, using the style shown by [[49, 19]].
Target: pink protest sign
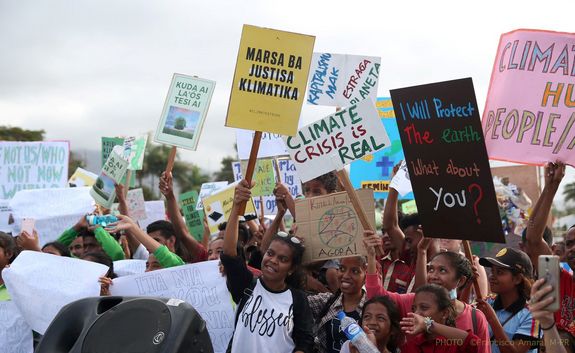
[[529, 115]]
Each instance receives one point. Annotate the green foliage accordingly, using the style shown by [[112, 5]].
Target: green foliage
[[569, 192], [8, 133], [74, 163], [180, 123], [226, 173]]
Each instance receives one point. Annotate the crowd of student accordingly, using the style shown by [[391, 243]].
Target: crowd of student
[[410, 294]]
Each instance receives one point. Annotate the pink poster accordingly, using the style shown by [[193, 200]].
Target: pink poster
[[529, 115]]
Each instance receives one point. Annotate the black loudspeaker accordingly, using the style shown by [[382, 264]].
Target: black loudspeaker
[[126, 325]]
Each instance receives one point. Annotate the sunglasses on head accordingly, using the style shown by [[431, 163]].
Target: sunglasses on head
[[293, 239]]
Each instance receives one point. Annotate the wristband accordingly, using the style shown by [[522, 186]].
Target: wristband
[[548, 328]]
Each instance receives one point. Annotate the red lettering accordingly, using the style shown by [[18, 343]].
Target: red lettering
[[418, 139]]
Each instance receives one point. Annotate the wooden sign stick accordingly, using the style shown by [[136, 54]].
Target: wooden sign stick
[[346, 183], [127, 184], [469, 255], [171, 159], [251, 164], [262, 210], [277, 169]]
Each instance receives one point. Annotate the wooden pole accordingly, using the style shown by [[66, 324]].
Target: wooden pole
[[251, 165], [469, 255], [127, 184], [171, 159], [262, 209]]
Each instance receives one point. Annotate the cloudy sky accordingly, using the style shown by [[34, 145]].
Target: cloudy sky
[[83, 69]]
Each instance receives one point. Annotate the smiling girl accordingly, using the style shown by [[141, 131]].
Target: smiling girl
[[272, 313]]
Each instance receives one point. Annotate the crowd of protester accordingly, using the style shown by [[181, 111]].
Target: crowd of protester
[[410, 293]]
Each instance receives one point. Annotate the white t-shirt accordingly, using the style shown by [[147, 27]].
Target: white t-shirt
[[141, 253]]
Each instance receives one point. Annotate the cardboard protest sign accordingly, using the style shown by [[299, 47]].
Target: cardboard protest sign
[[200, 285], [82, 177], [136, 204], [32, 165], [194, 218], [529, 116], [448, 167], [374, 171], [342, 80], [336, 140], [270, 80], [134, 149], [218, 207], [330, 225], [207, 189], [54, 210], [288, 176], [155, 211], [15, 333], [271, 145], [41, 284], [103, 191], [184, 111], [108, 144]]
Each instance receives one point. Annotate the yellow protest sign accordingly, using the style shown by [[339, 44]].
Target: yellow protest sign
[[218, 207], [270, 80]]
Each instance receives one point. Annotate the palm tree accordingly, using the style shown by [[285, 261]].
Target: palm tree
[[569, 192]]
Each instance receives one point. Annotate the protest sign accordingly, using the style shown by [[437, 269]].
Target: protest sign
[[184, 111], [528, 115], [218, 207], [136, 204], [194, 218], [103, 191], [264, 177], [409, 207], [207, 189], [82, 177], [342, 80], [129, 267], [200, 285], [336, 140], [374, 171], [269, 83], [401, 181], [448, 167], [134, 149], [288, 177], [15, 333], [271, 145], [54, 210], [5, 212], [330, 226], [32, 165], [41, 284], [108, 144], [155, 211]]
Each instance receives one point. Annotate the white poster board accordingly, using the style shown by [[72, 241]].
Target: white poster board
[[208, 189], [41, 284], [336, 140], [5, 212], [32, 165], [15, 333], [54, 210], [155, 211], [271, 145], [200, 285], [341, 80], [129, 267], [136, 204]]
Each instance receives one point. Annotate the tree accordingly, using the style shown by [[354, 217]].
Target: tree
[[8, 133], [569, 192], [180, 123], [226, 173]]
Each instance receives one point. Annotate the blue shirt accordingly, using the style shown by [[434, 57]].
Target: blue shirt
[[517, 323]]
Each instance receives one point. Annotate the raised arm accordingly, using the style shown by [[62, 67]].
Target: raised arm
[[276, 223], [242, 194], [535, 244], [196, 249], [133, 243], [390, 222]]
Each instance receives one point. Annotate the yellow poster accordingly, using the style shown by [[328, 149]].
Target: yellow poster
[[218, 207], [270, 80]]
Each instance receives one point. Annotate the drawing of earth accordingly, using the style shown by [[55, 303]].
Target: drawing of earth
[[338, 227]]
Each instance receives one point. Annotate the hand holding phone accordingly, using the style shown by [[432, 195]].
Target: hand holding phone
[[28, 225], [548, 268]]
